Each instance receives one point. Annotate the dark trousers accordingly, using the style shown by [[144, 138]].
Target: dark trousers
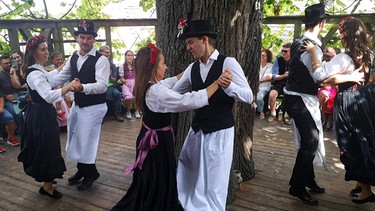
[[87, 170], [303, 171]]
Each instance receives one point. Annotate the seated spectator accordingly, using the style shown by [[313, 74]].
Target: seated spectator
[[10, 93], [113, 94], [265, 77], [62, 107], [18, 81], [58, 62], [327, 93], [326, 96], [279, 76], [7, 119], [16, 74], [126, 72]]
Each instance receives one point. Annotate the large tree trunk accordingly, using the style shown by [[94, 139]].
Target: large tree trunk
[[239, 35]]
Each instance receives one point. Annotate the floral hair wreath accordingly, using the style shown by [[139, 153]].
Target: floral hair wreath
[[181, 25], [341, 30], [153, 51], [34, 40]]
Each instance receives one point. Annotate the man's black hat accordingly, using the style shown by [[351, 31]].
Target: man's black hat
[[85, 27], [314, 14], [197, 28]]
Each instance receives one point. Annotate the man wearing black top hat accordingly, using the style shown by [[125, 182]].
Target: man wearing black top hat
[[206, 157], [90, 70], [301, 103]]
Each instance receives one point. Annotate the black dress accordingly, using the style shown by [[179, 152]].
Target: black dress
[[154, 187], [40, 143], [354, 114]]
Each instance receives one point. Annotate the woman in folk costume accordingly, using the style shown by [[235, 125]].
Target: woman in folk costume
[[354, 107], [154, 178], [40, 150]]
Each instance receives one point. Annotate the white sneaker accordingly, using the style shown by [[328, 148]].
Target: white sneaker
[[128, 115], [137, 114]]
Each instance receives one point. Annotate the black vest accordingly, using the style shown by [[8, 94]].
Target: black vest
[[299, 78], [218, 114], [283, 67], [86, 75]]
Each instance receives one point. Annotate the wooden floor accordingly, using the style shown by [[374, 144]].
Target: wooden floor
[[273, 154]]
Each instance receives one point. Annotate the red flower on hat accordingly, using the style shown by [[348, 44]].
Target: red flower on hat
[[181, 25], [83, 24]]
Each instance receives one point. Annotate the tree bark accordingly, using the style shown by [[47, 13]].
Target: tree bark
[[238, 24]]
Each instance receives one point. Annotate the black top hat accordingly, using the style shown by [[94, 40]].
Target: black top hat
[[197, 28], [85, 27], [314, 14]]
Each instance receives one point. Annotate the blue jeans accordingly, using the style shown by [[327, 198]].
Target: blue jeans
[[260, 100], [9, 106], [6, 117]]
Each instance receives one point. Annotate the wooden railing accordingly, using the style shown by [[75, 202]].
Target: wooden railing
[[59, 31]]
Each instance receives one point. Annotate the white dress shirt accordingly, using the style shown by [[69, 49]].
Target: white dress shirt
[[38, 80], [101, 74]]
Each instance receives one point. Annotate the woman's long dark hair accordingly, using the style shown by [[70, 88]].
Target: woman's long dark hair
[[144, 75], [30, 54], [20, 68], [21, 55], [357, 41]]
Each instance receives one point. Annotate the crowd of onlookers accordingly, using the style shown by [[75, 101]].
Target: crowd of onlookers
[[273, 76]]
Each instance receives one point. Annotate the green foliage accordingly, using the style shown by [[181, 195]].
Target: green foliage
[[273, 40], [91, 9], [280, 7], [143, 43], [26, 9], [270, 40], [117, 54], [4, 48], [147, 4], [16, 8]]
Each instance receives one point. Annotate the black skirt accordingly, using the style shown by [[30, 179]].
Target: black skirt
[[354, 114], [154, 188], [40, 143]]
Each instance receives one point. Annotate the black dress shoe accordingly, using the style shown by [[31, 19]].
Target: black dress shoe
[[303, 195], [55, 195], [87, 182], [74, 179], [356, 191], [316, 189], [371, 198]]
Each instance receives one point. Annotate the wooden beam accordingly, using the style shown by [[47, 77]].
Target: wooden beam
[[365, 17], [108, 38], [13, 39], [16, 24]]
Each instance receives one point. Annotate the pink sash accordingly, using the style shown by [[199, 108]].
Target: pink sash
[[149, 141]]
